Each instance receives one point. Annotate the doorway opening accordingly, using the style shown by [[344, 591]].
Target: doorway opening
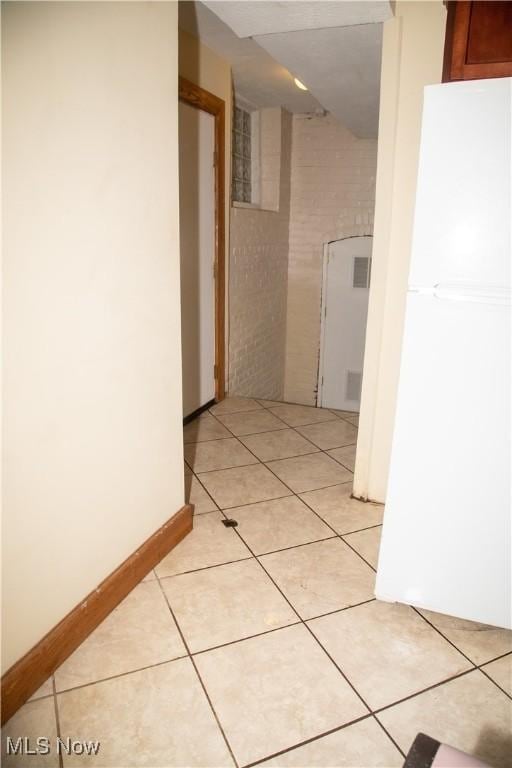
[[202, 246]]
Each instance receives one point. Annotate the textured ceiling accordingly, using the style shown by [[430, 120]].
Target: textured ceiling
[[248, 18], [341, 68], [333, 47], [258, 77]]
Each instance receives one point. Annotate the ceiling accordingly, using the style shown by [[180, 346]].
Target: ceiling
[[334, 48], [248, 18], [258, 77], [342, 69]]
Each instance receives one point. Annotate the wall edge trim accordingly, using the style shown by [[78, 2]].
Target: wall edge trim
[[27, 674]]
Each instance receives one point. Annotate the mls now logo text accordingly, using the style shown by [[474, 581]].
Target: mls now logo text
[[23, 745]]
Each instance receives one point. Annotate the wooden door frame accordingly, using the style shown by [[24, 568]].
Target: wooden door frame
[[197, 97]]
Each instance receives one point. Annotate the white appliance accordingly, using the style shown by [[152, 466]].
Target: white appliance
[[346, 280], [446, 542]]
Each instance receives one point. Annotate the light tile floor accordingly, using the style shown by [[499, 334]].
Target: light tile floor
[[262, 643]]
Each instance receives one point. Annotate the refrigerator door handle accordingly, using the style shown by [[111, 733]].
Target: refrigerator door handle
[[472, 292]]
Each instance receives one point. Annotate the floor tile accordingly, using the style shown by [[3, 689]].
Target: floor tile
[[501, 672], [155, 717], [209, 543], [330, 434], [298, 415], [353, 419], [149, 576], [321, 577], [227, 603], [271, 525], [218, 454], [270, 403], [235, 405], [252, 422], [340, 511], [243, 485], [361, 744], [204, 428], [280, 444], [468, 713], [186, 469], [195, 494], [273, 691], [478, 641], [46, 689], [344, 414], [306, 473], [138, 633], [345, 455], [387, 651], [35, 719], [367, 543]]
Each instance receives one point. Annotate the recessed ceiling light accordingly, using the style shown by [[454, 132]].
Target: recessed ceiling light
[[299, 84]]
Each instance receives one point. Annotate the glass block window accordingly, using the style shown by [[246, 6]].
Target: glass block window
[[241, 191]]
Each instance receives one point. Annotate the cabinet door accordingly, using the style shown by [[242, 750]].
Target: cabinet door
[[478, 40]]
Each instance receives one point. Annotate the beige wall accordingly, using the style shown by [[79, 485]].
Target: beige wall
[[412, 58], [332, 196], [92, 388], [206, 69], [259, 270]]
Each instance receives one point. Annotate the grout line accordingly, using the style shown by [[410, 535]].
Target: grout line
[[378, 711], [57, 720], [247, 637], [205, 567], [120, 674], [390, 737], [293, 546], [443, 636], [308, 741], [340, 610], [224, 469], [355, 550], [496, 658], [494, 681], [360, 530], [235, 761], [475, 666]]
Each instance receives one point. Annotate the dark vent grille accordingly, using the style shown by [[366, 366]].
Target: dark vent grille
[[361, 277]]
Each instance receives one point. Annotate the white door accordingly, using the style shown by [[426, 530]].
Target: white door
[[344, 311], [197, 244]]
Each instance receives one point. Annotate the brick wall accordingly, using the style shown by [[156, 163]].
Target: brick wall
[[259, 271], [332, 196]]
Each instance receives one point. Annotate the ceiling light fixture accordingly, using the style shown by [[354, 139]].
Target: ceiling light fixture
[[299, 84]]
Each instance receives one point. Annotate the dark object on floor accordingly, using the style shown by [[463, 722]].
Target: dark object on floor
[[229, 523], [426, 752]]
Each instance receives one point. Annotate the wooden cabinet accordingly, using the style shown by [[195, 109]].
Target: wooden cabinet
[[478, 40]]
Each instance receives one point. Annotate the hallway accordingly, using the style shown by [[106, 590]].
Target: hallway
[[263, 642]]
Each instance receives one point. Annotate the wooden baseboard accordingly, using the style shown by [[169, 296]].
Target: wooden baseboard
[[31, 671]]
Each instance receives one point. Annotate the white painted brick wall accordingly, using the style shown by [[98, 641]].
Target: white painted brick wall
[[332, 196], [259, 272]]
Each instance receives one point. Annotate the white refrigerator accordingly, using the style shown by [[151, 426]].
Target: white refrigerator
[[446, 539]]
